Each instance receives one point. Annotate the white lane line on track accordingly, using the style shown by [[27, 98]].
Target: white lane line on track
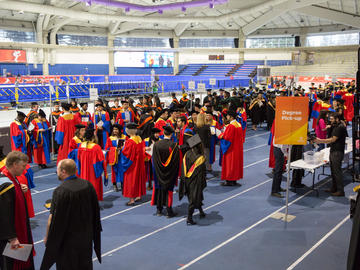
[[246, 230], [180, 220], [318, 243]]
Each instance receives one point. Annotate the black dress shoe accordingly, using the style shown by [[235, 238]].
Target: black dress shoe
[[226, 184], [159, 213], [277, 194], [298, 186], [190, 222], [130, 204], [202, 215], [171, 215], [115, 188], [338, 194], [282, 190]]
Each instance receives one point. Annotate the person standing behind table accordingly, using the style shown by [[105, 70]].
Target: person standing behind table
[[166, 166], [193, 178], [232, 149], [14, 218], [321, 127], [74, 226], [280, 152], [132, 161], [337, 148], [65, 131]]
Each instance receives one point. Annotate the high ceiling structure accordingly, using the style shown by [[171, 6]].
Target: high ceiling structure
[[225, 18]]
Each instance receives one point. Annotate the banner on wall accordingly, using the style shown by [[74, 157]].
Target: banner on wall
[[13, 56], [291, 118]]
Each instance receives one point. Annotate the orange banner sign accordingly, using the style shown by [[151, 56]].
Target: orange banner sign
[[291, 120], [12, 56]]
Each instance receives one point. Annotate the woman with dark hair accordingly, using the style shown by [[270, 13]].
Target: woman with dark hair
[[203, 129], [321, 128], [74, 106]]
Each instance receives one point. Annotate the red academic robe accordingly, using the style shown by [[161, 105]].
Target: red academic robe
[[91, 164], [41, 148], [19, 137], [112, 157], [82, 118], [232, 148], [22, 226], [65, 131], [27, 179], [132, 159], [349, 104], [160, 124]]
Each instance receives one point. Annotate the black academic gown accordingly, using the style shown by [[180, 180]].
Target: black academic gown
[[193, 179], [353, 262], [75, 227], [7, 223], [258, 113], [166, 166], [270, 114], [146, 124]]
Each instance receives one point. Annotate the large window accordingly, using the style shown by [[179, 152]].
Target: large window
[[76, 40], [275, 42], [16, 36], [332, 40], [142, 42], [207, 43]]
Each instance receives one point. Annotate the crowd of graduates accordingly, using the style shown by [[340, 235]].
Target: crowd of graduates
[[146, 142]]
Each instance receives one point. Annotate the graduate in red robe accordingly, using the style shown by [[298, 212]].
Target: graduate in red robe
[[124, 115], [41, 146], [14, 220], [27, 178], [65, 131], [132, 161], [18, 134], [83, 117], [160, 123], [232, 147], [76, 141], [101, 120], [113, 147], [349, 104], [91, 163]]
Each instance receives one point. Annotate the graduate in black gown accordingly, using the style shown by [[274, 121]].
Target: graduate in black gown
[[14, 219], [270, 111], [258, 110], [166, 170], [193, 178], [74, 226], [353, 262]]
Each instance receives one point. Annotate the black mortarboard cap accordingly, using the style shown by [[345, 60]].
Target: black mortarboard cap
[[83, 103], [124, 101], [21, 114], [168, 129], [42, 113], [194, 141], [99, 104], [155, 130], [232, 113], [118, 126], [79, 126], [132, 125]]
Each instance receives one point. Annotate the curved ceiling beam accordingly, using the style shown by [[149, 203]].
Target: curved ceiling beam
[[86, 16], [155, 8]]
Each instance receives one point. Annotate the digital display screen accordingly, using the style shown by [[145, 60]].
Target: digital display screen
[[159, 59]]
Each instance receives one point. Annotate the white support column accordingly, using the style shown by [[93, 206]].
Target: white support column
[[177, 55], [242, 40], [110, 39]]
